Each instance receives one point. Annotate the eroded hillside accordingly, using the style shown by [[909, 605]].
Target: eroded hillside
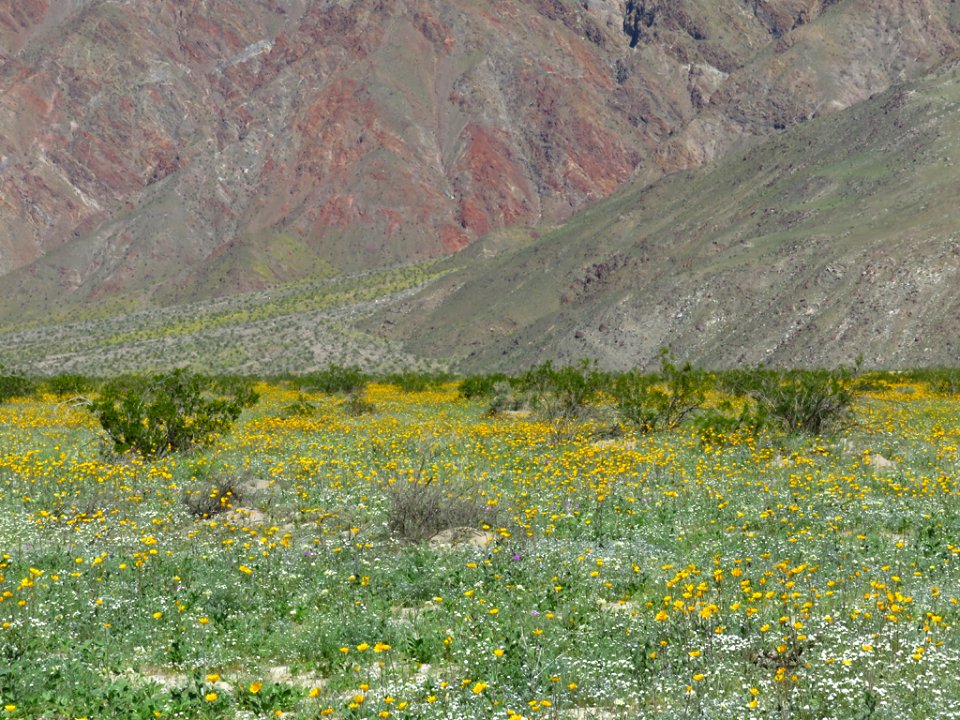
[[163, 151], [835, 239]]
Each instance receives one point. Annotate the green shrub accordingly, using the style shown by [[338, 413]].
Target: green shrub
[[335, 380], [797, 401], [504, 398], [720, 424], [14, 385], [301, 407], [561, 393], [417, 381], [168, 413], [944, 381], [67, 384], [481, 386], [661, 401]]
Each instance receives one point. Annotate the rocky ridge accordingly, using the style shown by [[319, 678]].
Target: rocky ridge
[[156, 152]]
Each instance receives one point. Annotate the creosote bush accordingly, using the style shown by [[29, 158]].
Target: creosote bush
[[561, 392], [171, 412], [419, 509], [68, 384], [14, 385], [301, 407], [335, 379], [481, 386], [798, 401], [504, 398], [215, 499], [416, 381], [662, 401]]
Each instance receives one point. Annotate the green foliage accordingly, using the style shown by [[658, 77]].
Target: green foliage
[[410, 381], [301, 407], [270, 699], [240, 387], [335, 379], [798, 401], [661, 401], [481, 386], [504, 398], [172, 412], [419, 509], [945, 381], [217, 497], [68, 384], [14, 385], [561, 393]]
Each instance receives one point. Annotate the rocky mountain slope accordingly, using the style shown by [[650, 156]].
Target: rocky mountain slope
[[833, 238], [178, 150], [839, 237]]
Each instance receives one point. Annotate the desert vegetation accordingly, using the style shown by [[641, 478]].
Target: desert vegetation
[[564, 543]]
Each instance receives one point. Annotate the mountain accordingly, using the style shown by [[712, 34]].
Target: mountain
[[159, 151], [161, 158], [836, 238]]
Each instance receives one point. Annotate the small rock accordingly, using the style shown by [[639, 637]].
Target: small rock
[[880, 462], [614, 443], [451, 537], [247, 516], [254, 485], [519, 414]]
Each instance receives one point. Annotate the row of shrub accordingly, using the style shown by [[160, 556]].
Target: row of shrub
[[179, 410], [793, 401], [333, 380]]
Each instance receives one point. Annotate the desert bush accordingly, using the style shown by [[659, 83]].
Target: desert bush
[[419, 509], [566, 392], [168, 413], [14, 384], [943, 381], [301, 407], [410, 381], [335, 379], [660, 401], [481, 386], [504, 398], [356, 404], [722, 423], [215, 499], [67, 384], [797, 401]]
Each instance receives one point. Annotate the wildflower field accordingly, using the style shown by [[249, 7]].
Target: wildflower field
[[659, 575]]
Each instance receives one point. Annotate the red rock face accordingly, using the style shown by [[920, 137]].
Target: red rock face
[[181, 134], [17, 19]]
